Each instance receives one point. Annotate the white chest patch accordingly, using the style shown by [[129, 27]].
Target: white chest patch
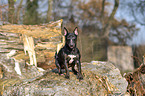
[[71, 58]]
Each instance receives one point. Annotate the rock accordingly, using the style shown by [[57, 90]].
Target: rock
[[100, 79], [111, 72]]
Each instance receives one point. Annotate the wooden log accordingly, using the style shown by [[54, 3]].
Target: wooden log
[[17, 37], [44, 31], [29, 47]]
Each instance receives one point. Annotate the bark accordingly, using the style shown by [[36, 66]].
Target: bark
[[18, 11], [108, 25], [45, 31], [1, 13], [49, 12], [102, 13], [103, 5], [46, 38], [11, 11], [31, 14]]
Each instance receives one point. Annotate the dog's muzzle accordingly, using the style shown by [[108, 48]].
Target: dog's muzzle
[[71, 46]]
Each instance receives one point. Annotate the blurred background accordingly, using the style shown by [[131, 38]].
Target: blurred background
[[102, 23]]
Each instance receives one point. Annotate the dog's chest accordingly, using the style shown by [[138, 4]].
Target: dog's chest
[[71, 58]]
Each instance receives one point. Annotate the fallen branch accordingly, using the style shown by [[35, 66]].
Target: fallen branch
[[135, 82]]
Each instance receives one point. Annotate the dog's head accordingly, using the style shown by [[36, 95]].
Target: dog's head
[[71, 38]]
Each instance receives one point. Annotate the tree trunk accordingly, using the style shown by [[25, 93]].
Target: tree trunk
[[106, 29], [18, 11], [49, 12], [102, 13], [11, 11], [31, 14]]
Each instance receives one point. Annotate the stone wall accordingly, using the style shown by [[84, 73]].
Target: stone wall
[[121, 57]]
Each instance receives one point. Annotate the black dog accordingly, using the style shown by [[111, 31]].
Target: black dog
[[69, 55]]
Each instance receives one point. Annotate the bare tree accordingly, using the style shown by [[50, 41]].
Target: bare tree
[[137, 9], [95, 10], [106, 28], [18, 11], [11, 11], [106, 25], [31, 14], [49, 12]]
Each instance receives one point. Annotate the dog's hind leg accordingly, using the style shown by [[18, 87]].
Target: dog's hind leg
[[57, 64]]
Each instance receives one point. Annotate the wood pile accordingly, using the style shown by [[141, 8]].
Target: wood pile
[[40, 41]]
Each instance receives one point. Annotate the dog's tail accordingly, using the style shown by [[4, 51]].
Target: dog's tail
[[60, 45], [56, 56], [56, 62]]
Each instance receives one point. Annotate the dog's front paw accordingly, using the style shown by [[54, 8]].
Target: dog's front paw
[[74, 71], [67, 76], [80, 76], [60, 73]]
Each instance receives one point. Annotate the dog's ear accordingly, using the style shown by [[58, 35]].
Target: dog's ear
[[76, 31], [65, 31]]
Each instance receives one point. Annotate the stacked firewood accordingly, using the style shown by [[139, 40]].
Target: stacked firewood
[[15, 40], [10, 41]]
